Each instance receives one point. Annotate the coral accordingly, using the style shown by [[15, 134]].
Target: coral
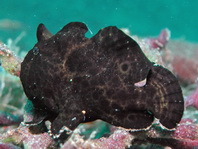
[[188, 71], [8, 61], [120, 139], [192, 100], [160, 41], [22, 135], [9, 24], [185, 137], [186, 129], [36, 141], [8, 146], [182, 60], [9, 119], [187, 134]]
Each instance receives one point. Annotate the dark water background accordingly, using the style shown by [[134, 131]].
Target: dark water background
[[142, 17]]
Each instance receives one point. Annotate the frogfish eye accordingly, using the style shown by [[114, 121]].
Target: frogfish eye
[[124, 67]]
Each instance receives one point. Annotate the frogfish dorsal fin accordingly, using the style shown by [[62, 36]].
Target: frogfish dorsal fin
[[74, 29], [43, 33]]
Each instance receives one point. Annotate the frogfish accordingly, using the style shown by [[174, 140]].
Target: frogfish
[[71, 79]]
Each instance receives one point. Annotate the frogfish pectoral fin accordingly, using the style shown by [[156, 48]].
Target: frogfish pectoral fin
[[65, 123], [133, 120]]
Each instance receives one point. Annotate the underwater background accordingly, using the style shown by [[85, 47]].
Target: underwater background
[[141, 17], [145, 18]]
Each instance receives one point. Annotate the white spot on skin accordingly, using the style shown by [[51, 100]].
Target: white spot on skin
[[88, 76], [90, 31], [141, 83], [156, 65], [32, 124], [35, 50], [64, 128], [83, 112], [48, 124], [74, 118]]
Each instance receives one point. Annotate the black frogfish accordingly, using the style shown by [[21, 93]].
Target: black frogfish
[[72, 79]]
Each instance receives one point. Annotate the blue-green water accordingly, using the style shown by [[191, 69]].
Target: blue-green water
[[142, 17]]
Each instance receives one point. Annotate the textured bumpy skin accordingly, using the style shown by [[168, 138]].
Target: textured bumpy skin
[[71, 79]]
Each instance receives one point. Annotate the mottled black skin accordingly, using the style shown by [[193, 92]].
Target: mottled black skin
[[71, 79]]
